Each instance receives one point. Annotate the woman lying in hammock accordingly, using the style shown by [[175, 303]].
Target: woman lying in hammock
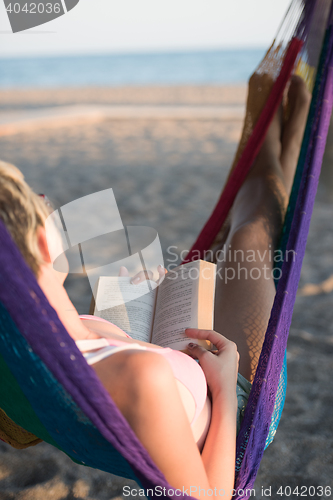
[[163, 393]]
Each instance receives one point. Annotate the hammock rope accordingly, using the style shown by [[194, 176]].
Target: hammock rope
[[48, 389]]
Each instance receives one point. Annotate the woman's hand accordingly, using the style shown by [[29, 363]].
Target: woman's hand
[[220, 367], [143, 275]]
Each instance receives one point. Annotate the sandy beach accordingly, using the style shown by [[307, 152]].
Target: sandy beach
[[166, 152]]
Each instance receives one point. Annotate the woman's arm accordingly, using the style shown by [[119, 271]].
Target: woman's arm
[[221, 371], [147, 395]]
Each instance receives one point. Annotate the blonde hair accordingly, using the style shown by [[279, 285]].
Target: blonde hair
[[22, 212]]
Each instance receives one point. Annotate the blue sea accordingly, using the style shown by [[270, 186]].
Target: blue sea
[[178, 68]]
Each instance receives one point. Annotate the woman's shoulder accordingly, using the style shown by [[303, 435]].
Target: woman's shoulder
[[135, 374]]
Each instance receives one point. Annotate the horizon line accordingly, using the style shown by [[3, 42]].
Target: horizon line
[[161, 51]]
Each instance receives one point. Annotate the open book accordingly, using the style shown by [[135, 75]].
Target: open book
[[160, 314]]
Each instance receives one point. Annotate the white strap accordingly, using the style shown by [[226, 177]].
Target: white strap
[[90, 344], [108, 350]]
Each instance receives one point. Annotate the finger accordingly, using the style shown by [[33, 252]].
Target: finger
[[196, 351], [215, 338], [142, 276], [161, 273], [123, 271]]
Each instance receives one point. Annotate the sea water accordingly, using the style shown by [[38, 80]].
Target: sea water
[[178, 68]]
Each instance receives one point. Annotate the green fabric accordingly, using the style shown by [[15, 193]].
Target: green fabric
[[243, 390], [15, 404], [17, 407]]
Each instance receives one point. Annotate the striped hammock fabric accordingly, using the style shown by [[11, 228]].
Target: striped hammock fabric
[[47, 390]]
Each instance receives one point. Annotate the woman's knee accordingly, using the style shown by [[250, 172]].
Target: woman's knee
[[251, 235], [261, 201]]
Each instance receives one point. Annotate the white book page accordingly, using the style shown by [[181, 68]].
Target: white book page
[[176, 307], [130, 307]]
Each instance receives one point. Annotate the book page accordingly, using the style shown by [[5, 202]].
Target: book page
[[130, 307], [177, 306]]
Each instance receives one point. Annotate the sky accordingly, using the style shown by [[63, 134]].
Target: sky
[[115, 26]]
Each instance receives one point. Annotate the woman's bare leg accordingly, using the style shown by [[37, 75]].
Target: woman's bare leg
[[245, 284]]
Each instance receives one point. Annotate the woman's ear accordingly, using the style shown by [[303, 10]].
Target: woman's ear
[[42, 245]]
